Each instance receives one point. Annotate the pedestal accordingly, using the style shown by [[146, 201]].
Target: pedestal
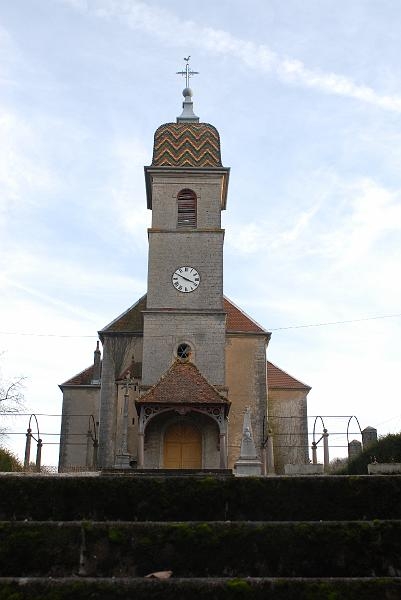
[[122, 461], [248, 467]]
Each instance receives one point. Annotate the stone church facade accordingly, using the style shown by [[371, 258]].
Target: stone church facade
[[182, 365]]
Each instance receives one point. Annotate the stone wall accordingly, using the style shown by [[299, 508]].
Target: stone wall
[[246, 381], [287, 413], [76, 448], [169, 250], [117, 356], [164, 331], [166, 187]]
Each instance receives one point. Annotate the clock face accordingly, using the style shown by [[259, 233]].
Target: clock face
[[185, 279]]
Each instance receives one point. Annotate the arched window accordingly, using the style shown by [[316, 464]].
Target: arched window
[[186, 209]]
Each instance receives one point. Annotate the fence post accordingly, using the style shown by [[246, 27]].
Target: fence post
[[326, 459], [39, 455], [27, 449]]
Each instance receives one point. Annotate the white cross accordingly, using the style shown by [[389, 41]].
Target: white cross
[[188, 72]]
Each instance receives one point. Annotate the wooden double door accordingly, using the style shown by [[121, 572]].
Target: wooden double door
[[182, 447]]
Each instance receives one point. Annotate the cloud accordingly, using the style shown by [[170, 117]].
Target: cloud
[[21, 281], [334, 260], [160, 22], [371, 212], [126, 190], [11, 58], [21, 167], [345, 220]]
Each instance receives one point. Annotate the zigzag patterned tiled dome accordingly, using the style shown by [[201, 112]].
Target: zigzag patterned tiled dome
[[186, 145]]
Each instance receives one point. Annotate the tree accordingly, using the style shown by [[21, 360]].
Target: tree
[[11, 398]]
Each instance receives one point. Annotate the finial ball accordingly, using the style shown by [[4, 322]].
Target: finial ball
[[187, 92]]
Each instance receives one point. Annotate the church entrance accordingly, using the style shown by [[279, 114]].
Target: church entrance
[[182, 447]]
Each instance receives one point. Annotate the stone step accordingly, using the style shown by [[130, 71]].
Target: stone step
[[200, 589], [178, 498], [201, 549], [218, 473]]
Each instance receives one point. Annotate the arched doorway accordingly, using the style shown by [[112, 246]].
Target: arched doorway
[[182, 447]]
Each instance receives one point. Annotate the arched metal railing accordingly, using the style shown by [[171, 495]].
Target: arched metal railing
[[39, 444]]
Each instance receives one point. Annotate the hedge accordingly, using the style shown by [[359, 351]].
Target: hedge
[[147, 498], [237, 549], [210, 589]]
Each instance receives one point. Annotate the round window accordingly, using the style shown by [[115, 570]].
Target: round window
[[184, 351]]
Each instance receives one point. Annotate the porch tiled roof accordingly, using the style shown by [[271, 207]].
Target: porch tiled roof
[[184, 383]]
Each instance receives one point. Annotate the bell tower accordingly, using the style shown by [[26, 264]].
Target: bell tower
[[186, 187]]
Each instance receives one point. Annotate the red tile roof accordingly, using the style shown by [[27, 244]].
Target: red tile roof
[[134, 370], [132, 320], [238, 320], [278, 379], [183, 384], [83, 378], [186, 145]]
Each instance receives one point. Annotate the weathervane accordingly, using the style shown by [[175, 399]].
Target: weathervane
[[188, 72]]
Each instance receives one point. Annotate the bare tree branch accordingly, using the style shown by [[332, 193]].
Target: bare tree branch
[[11, 400], [13, 392]]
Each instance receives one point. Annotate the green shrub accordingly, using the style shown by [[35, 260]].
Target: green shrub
[[387, 449], [8, 461]]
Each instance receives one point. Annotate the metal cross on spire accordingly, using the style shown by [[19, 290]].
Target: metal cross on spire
[[188, 72]]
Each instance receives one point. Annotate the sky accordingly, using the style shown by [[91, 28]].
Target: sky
[[306, 95]]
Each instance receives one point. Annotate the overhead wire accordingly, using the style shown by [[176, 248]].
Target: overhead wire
[[324, 324]]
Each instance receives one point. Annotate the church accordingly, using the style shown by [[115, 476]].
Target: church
[[183, 365]]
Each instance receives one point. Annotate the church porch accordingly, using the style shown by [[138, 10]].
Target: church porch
[[182, 438]]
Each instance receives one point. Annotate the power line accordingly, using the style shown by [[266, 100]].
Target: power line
[[325, 324], [28, 414], [55, 335], [337, 322]]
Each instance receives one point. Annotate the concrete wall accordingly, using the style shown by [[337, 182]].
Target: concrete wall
[[246, 381], [287, 412]]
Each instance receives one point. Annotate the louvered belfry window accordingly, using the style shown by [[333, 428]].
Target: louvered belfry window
[[186, 203]]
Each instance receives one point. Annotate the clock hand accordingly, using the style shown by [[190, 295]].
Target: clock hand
[[186, 278]]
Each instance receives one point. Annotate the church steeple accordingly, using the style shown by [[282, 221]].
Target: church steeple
[[186, 144]]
